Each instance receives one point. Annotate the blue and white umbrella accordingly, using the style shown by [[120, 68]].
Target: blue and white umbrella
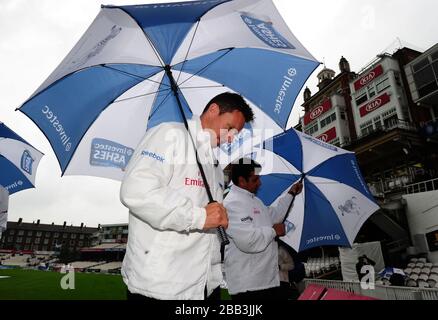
[[335, 201], [119, 79], [389, 271], [18, 161]]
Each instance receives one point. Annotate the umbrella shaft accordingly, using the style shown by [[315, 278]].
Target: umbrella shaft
[[221, 231]]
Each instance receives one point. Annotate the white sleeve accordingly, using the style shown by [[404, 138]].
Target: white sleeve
[[278, 208], [246, 236], [145, 188]]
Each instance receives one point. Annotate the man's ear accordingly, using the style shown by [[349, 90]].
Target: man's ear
[[241, 181], [214, 109]]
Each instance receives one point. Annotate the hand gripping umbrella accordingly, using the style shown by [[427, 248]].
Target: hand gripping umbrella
[[142, 65], [18, 161], [335, 201]]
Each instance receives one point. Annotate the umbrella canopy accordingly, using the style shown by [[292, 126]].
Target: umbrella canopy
[[138, 66], [389, 271], [335, 200], [18, 161]]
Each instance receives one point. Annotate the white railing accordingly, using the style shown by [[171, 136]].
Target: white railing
[[380, 292], [423, 186]]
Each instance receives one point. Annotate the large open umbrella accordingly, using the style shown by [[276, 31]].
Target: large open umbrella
[[137, 65], [335, 201], [18, 161], [142, 65]]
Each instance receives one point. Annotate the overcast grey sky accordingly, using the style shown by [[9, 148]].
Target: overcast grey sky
[[35, 35]]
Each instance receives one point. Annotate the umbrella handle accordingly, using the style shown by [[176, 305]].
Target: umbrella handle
[[288, 209], [292, 201], [221, 232]]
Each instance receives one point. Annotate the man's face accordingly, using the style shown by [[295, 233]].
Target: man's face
[[252, 184], [223, 127]]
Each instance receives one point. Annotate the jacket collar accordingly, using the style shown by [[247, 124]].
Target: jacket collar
[[242, 191]]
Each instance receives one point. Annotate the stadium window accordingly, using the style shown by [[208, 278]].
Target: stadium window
[[56, 235], [382, 85], [361, 99], [29, 233], [37, 241], [28, 240], [21, 232], [10, 239], [391, 121], [371, 91], [64, 235], [12, 232], [73, 235], [39, 234], [81, 236], [367, 130], [19, 239], [46, 241]]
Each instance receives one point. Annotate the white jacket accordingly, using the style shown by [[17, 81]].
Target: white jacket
[[251, 258], [168, 255]]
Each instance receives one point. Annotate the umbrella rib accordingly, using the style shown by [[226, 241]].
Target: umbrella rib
[[319, 165], [134, 75], [208, 65], [159, 106], [188, 50], [278, 176], [202, 87], [141, 95]]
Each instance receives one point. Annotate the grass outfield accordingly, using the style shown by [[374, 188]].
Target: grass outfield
[[43, 285]]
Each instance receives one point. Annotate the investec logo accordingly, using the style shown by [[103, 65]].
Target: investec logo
[[14, 185], [321, 143], [180, 4], [238, 141], [57, 126], [287, 82], [26, 162], [265, 31], [331, 237], [316, 112], [373, 105], [106, 153]]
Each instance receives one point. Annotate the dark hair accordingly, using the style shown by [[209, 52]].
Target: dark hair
[[243, 168], [229, 102]]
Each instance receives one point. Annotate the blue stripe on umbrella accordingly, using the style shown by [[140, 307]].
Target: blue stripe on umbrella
[[275, 182], [165, 107], [251, 73], [168, 24], [12, 178], [288, 146], [344, 169], [7, 133], [321, 224], [67, 109]]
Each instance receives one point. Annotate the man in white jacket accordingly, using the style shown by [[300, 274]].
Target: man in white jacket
[[173, 249], [251, 258]]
